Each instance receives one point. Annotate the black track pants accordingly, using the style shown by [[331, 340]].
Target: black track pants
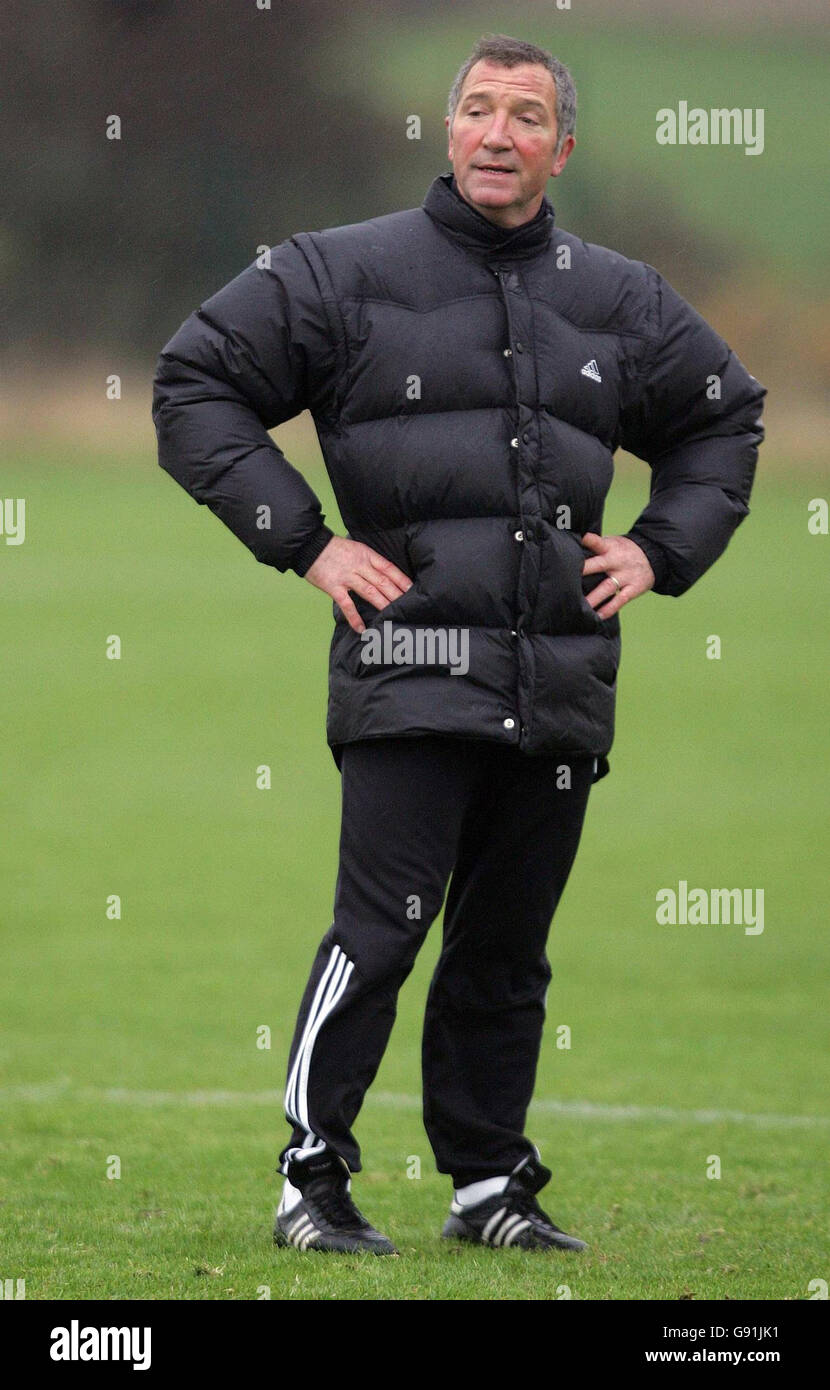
[[505, 826]]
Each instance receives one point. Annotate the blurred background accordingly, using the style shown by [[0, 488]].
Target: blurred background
[[135, 1033], [240, 126]]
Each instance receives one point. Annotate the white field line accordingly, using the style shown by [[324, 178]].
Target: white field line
[[574, 1109]]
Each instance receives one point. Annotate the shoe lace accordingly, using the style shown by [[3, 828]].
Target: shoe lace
[[526, 1205], [336, 1206]]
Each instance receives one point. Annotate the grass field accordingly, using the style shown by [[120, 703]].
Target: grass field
[[137, 1037]]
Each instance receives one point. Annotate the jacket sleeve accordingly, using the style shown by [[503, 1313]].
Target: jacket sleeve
[[695, 418], [252, 356]]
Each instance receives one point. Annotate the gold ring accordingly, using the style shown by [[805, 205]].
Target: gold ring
[[617, 582]]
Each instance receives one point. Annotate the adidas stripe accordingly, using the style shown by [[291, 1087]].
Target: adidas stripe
[[493, 1223], [302, 1232], [329, 992]]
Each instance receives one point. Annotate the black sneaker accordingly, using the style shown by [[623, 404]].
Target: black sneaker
[[512, 1217], [326, 1218]]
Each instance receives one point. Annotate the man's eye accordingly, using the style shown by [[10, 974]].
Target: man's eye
[[529, 120]]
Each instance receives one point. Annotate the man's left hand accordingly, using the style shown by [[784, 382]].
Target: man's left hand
[[629, 572]]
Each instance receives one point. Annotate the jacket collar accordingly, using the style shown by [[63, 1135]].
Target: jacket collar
[[477, 233]]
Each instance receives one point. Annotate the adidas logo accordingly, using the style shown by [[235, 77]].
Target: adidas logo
[[592, 370], [302, 1232]]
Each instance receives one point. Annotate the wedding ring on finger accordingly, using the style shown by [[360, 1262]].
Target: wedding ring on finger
[[617, 582]]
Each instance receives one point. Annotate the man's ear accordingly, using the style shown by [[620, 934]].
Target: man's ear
[[449, 136], [562, 158]]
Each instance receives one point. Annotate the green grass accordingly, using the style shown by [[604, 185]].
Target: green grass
[[189, 1217], [137, 777]]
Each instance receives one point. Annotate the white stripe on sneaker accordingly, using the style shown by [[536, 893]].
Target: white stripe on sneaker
[[307, 1238], [517, 1230], [301, 1221], [505, 1226], [493, 1222]]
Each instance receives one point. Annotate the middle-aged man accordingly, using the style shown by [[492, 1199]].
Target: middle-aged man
[[471, 369]]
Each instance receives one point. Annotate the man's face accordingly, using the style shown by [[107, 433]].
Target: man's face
[[506, 119]]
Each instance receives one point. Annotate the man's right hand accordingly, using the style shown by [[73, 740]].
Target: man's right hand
[[345, 565]]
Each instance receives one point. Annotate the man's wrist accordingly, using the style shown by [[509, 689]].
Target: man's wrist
[[310, 549], [654, 553]]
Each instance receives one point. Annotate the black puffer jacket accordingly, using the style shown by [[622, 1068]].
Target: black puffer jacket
[[469, 388]]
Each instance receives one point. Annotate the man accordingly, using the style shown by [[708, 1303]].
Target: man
[[471, 369]]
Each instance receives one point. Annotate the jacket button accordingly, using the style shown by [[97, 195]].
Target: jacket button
[[508, 352], [518, 535], [519, 347], [509, 723], [514, 443], [525, 438]]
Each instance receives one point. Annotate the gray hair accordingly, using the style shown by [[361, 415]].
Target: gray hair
[[500, 48]]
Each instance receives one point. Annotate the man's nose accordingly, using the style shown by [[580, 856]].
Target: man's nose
[[497, 134]]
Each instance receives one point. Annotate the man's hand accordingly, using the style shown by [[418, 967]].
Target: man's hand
[[624, 562], [345, 565]]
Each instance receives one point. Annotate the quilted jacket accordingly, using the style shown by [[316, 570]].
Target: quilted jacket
[[469, 386]]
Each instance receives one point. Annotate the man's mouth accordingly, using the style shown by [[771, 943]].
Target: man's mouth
[[494, 169]]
